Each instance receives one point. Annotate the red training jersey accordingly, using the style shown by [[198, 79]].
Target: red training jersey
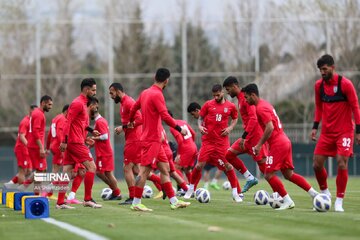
[[248, 116], [77, 120], [184, 142], [23, 129], [37, 128], [56, 132], [216, 118], [336, 117], [102, 146], [152, 104], [131, 134], [265, 113]]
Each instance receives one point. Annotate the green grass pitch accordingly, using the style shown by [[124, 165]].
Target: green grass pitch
[[219, 219]]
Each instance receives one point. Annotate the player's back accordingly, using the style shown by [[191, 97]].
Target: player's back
[[151, 117], [102, 147], [187, 141], [78, 120], [248, 115], [56, 130]]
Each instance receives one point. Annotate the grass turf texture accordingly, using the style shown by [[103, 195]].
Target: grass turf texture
[[219, 219]]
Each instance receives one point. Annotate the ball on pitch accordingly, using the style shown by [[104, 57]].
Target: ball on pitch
[[203, 196], [261, 197], [106, 193], [226, 185], [147, 192], [275, 200], [322, 202]]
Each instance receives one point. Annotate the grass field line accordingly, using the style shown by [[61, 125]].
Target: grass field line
[[76, 230]]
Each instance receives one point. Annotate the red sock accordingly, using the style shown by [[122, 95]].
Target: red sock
[[261, 167], [341, 181], [300, 181], [131, 192], [61, 194], [195, 177], [76, 183], [183, 186], [321, 177], [237, 163], [238, 187], [27, 182], [88, 183], [233, 179], [168, 189], [138, 192], [277, 185], [156, 180], [15, 179], [188, 176], [116, 192]]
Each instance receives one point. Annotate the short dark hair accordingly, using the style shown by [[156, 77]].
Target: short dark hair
[[325, 60], [33, 106], [45, 98], [92, 100], [87, 82], [117, 86], [162, 74], [251, 88], [65, 108], [193, 107], [216, 88], [230, 81]]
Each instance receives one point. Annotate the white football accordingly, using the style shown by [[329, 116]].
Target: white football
[[203, 196], [261, 197], [322, 202], [106, 193], [226, 185], [275, 200], [147, 192], [198, 191]]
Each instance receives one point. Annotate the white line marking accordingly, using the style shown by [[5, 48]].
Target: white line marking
[[78, 231]]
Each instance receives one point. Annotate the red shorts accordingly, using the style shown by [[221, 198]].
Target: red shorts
[[335, 144], [38, 163], [187, 157], [215, 155], [58, 156], [132, 153], [23, 158], [77, 153], [152, 152], [105, 163], [249, 144], [280, 155]]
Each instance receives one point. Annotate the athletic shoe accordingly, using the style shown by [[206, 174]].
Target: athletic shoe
[[10, 185], [180, 193], [189, 193], [215, 186], [249, 184], [237, 198], [112, 198], [127, 201], [140, 207], [64, 206], [179, 204], [285, 206], [73, 201], [164, 195], [91, 203], [338, 206], [159, 195]]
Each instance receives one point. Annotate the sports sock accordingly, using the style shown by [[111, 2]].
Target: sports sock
[[341, 181], [156, 180], [76, 183], [277, 185], [300, 181], [15, 179], [131, 191], [248, 176], [61, 194], [88, 183], [167, 187], [116, 192], [183, 186], [188, 176], [233, 179], [196, 176], [138, 192], [321, 177], [237, 163]]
